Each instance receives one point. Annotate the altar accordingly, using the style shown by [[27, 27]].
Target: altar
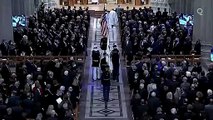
[[98, 3]]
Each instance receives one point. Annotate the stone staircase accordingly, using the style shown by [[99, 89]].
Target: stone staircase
[[98, 14]]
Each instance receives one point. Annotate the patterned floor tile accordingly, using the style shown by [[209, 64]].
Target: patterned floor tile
[[95, 107]]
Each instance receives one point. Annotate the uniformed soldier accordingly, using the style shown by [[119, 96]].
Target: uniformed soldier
[[104, 62], [103, 43], [95, 63], [106, 84], [115, 62], [112, 25]]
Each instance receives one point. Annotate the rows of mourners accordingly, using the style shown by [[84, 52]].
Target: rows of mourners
[[51, 32], [163, 91], [40, 90], [144, 32]]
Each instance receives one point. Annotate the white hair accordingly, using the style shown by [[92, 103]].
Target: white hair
[[174, 111], [141, 86], [39, 69], [209, 92], [188, 74], [153, 94], [66, 73], [62, 88], [29, 76], [163, 63]]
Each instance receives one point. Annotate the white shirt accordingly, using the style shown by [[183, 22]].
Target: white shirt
[[112, 18]]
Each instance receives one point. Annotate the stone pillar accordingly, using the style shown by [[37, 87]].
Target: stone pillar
[[6, 29], [181, 6], [29, 7], [24, 7], [203, 21]]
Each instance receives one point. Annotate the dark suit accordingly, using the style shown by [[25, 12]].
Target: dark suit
[[104, 64], [103, 43], [153, 104], [209, 110], [6, 73], [95, 58], [115, 63], [106, 85]]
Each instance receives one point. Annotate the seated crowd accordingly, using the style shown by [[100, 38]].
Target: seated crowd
[[147, 33], [40, 90], [51, 32], [48, 89], [163, 91]]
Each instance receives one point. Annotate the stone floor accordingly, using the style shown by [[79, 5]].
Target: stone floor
[[92, 105]]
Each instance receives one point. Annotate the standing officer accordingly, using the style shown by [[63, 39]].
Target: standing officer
[[103, 43], [95, 63], [104, 63], [115, 62], [106, 84], [112, 25]]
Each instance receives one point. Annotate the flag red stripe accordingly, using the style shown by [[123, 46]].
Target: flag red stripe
[[104, 28]]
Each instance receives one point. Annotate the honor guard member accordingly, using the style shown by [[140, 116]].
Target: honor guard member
[[104, 63], [112, 25], [115, 62], [103, 43], [105, 80], [95, 63]]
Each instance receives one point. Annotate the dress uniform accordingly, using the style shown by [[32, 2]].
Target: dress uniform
[[115, 62], [104, 63], [112, 25], [95, 63], [103, 43], [106, 84]]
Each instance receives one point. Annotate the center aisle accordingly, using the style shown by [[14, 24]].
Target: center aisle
[[91, 104]]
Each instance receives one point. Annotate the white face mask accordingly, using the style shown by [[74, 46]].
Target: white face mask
[[74, 65], [136, 76], [141, 86]]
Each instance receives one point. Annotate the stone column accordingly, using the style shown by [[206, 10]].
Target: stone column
[[24, 7], [181, 6], [203, 21], [6, 29]]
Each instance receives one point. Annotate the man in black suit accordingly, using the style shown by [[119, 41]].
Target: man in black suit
[[4, 48], [106, 85], [5, 71], [115, 62], [103, 43], [104, 63], [95, 63]]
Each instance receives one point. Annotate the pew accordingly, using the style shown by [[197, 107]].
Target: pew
[[192, 59], [18, 59]]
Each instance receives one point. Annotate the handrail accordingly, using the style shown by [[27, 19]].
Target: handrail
[[39, 58], [173, 58]]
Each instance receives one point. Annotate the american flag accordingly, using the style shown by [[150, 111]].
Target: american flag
[[104, 28]]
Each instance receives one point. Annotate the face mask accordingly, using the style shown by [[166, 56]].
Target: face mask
[[141, 86], [74, 65]]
